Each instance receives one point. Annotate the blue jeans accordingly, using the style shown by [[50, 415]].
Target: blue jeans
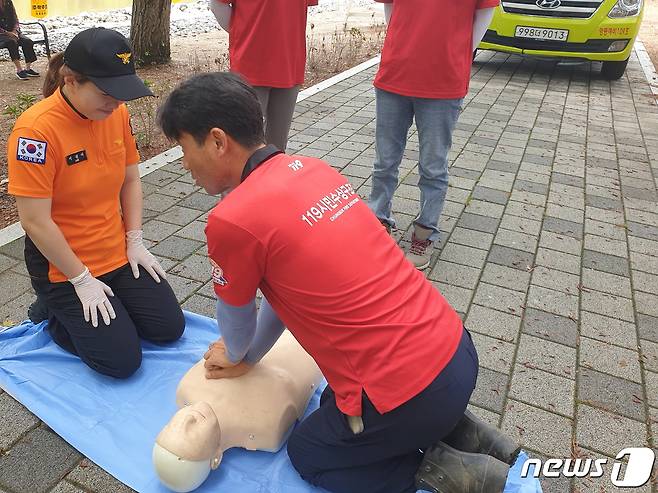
[[435, 121]]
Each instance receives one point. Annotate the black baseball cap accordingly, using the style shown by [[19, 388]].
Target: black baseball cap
[[104, 56]]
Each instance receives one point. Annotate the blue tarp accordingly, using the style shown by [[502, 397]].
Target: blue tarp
[[115, 422]]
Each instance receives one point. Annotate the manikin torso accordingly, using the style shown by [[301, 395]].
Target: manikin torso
[[255, 411]]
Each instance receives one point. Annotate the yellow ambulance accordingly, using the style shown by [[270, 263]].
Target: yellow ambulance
[[602, 30]]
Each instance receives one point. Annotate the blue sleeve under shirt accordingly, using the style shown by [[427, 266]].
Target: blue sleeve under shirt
[[248, 333]]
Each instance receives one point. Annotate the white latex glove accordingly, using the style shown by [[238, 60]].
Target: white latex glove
[[93, 296], [139, 255]]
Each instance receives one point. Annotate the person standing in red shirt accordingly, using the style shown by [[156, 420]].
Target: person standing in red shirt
[[399, 364], [267, 47], [423, 75]]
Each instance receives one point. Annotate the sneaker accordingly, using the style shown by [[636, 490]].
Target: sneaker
[[22, 75], [420, 251], [32, 73]]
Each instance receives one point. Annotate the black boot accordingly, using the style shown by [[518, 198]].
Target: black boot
[[446, 470], [38, 311], [474, 435]]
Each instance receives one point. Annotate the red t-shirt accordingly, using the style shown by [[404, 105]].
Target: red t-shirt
[[267, 41], [296, 229], [428, 48]]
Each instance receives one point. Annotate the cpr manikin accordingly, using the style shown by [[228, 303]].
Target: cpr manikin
[[254, 411]]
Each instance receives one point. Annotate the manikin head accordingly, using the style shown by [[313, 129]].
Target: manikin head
[[188, 448], [217, 120]]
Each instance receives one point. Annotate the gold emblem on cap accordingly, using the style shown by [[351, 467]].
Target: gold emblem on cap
[[125, 57]]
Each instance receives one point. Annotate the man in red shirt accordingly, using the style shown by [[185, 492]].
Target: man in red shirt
[[423, 75], [399, 364]]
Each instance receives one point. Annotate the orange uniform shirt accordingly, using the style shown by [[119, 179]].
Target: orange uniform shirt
[[54, 152]]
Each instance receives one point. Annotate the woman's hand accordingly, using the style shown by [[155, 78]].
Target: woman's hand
[[93, 293], [139, 255]]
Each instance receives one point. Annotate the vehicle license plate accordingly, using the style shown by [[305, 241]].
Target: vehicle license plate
[[541, 33]]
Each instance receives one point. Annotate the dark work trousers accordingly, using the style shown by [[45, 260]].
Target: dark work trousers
[[12, 45], [278, 107], [144, 308], [385, 457]]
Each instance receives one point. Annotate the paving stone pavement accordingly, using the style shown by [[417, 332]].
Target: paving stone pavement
[[549, 252]]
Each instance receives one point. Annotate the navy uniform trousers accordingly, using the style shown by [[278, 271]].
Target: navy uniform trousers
[[144, 309], [385, 456]]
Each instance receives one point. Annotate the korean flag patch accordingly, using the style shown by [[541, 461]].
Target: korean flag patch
[[31, 151]]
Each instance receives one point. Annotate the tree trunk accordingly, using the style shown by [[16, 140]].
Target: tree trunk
[[149, 31]]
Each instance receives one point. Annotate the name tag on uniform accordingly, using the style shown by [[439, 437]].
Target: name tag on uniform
[[76, 157]]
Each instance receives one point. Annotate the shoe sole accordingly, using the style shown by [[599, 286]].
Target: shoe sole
[[34, 76], [21, 78], [423, 266]]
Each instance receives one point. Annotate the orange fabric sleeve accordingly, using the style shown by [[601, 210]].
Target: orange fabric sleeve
[[32, 163]]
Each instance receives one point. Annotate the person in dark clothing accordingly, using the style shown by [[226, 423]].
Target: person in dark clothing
[[12, 38]]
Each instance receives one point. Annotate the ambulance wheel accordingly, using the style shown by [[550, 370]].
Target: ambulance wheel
[[613, 70]]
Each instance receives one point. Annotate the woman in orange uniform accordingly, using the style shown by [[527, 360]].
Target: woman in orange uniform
[[73, 170]]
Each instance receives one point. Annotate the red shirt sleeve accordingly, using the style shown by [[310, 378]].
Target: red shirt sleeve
[[311, 3], [237, 260], [487, 4]]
